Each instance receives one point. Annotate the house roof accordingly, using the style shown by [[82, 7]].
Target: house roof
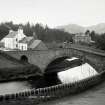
[[11, 34], [32, 43], [26, 40], [35, 43], [80, 34]]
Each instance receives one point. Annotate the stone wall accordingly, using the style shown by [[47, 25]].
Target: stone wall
[[42, 58]]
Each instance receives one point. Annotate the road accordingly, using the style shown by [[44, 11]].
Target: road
[[88, 49]]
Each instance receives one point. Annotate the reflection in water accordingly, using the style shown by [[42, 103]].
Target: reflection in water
[[14, 87], [76, 73]]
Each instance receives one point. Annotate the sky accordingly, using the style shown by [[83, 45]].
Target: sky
[[53, 12]]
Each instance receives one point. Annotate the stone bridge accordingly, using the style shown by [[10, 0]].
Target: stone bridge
[[42, 58]]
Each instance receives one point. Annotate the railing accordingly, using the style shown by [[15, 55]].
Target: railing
[[57, 91]]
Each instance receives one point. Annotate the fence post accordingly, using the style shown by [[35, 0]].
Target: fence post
[[52, 91], [12, 96], [32, 92], [16, 95]]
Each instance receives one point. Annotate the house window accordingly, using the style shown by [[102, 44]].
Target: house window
[[22, 48], [16, 45], [16, 39]]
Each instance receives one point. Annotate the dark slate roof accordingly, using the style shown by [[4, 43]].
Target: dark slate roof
[[35, 43], [11, 34], [26, 40]]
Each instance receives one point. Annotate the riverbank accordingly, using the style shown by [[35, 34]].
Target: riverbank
[[19, 73], [57, 92], [29, 71]]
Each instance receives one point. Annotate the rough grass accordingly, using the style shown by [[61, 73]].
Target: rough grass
[[22, 72]]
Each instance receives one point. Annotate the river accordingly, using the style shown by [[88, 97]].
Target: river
[[69, 75]]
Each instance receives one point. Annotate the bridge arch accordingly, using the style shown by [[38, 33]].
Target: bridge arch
[[58, 59], [42, 58]]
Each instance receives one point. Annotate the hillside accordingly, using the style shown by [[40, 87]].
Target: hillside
[[99, 28], [73, 28]]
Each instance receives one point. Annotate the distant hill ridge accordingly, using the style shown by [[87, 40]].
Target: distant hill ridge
[[74, 28]]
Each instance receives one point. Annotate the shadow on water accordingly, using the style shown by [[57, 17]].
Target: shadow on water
[[60, 74], [51, 75], [45, 81]]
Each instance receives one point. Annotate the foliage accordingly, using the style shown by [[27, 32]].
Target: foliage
[[99, 40], [49, 35], [87, 32], [43, 33]]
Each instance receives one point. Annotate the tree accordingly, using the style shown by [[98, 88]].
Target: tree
[[43, 33], [35, 36], [100, 42], [87, 32], [27, 29], [93, 35]]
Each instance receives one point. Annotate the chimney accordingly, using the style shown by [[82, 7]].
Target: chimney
[[35, 36], [10, 31]]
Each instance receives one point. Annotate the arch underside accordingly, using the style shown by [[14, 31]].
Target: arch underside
[[60, 63], [24, 58]]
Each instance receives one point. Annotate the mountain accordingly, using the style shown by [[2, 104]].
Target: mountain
[[73, 28], [99, 28]]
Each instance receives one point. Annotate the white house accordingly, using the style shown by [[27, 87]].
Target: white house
[[30, 43], [11, 41], [17, 40], [81, 37], [23, 44]]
